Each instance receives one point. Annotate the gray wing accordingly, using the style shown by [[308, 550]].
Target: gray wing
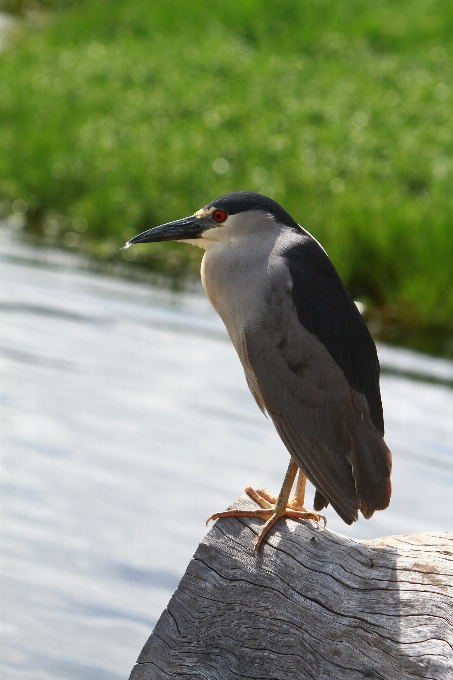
[[324, 423]]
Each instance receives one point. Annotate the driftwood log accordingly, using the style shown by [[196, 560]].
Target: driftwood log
[[312, 604]]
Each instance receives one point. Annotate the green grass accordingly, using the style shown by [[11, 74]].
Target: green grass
[[132, 113]]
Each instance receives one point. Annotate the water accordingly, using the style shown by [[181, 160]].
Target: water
[[126, 421]]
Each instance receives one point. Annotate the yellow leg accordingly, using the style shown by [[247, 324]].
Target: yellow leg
[[297, 502], [283, 496], [273, 508]]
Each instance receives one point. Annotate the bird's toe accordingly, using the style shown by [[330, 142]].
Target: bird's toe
[[262, 496], [260, 514]]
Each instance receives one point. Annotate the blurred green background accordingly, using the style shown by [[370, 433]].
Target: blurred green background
[[117, 115]]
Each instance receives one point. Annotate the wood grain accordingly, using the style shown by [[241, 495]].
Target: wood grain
[[311, 605]]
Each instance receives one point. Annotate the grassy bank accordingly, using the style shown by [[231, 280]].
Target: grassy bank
[[116, 116]]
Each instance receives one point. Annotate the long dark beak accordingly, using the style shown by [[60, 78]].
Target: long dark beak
[[180, 230]]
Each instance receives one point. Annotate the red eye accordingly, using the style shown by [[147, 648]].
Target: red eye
[[219, 215]]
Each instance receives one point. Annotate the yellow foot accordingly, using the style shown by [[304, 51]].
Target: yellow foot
[[269, 513], [267, 499]]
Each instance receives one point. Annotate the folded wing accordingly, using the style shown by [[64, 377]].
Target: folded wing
[[312, 363]]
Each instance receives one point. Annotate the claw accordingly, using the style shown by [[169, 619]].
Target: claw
[[261, 514], [288, 512], [269, 512]]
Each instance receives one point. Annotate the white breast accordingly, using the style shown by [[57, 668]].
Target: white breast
[[236, 272]]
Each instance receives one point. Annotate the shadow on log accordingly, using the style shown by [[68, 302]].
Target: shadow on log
[[311, 605]]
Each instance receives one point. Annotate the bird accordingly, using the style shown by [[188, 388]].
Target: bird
[[308, 356]]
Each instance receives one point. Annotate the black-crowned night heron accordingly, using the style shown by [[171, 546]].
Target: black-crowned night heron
[[308, 357]]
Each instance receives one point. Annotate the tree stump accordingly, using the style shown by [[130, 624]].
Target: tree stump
[[311, 605]]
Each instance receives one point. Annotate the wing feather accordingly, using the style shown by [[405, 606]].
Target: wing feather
[[324, 422], [325, 308]]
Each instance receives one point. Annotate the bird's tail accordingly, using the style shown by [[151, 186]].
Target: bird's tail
[[372, 464]]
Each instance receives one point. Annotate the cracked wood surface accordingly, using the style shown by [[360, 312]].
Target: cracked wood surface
[[311, 605]]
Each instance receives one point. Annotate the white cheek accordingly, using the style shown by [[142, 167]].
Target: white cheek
[[199, 242], [217, 234]]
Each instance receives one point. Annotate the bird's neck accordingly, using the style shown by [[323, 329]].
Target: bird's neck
[[234, 278]]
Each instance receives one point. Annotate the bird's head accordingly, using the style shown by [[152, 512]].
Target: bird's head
[[223, 219]]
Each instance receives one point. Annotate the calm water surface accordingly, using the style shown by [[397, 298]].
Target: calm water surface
[[126, 421]]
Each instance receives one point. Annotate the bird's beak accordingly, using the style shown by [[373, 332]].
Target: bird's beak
[[180, 230]]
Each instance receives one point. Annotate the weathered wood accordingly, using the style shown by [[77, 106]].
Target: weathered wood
[[312, 604]]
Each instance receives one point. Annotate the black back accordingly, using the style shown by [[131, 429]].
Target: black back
[[326, 309]]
